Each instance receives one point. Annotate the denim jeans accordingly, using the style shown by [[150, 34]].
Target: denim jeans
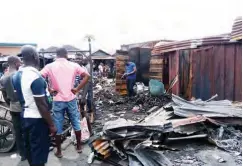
[[59, 108], [130, 85]]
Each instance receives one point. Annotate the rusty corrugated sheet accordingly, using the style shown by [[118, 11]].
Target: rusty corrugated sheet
[[236, 33], [238, 73], [208, 70], [217, 70], [148, 44], [184, 67], [193, 43], [215, 39], [173, 46], [174, 69]]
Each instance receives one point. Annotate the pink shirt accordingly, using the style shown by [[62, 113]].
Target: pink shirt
[[61, 74]]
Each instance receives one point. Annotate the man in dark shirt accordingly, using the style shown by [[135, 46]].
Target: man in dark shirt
[[130, 76], [14, 63]]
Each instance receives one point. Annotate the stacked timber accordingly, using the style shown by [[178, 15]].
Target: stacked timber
[[156, 68], [121, 85]]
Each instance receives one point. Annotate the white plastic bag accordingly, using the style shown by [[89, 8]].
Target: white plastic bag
[[139, 88], [84, 130], [85, 134]]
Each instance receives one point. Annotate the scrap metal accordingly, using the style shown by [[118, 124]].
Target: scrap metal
[[177, 119], [185, 108]]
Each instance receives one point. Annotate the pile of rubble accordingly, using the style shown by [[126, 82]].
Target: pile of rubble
[[111, 106], [150, 139]]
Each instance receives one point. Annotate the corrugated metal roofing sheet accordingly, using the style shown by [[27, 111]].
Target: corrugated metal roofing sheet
[[236, 33], [222, 108], [103, 57], [148, 44], [16, 44], [186, 44]]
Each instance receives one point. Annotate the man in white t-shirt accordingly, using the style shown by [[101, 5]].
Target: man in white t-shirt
[[37, 122]]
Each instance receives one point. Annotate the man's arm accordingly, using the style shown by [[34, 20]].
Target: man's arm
[[82, 84], [134, 71], [38, 89], [127, 74], [80, 71]]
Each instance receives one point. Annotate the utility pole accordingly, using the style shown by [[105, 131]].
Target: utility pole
[[90, 38]]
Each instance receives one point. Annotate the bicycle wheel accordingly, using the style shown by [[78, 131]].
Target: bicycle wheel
[[7, 136]]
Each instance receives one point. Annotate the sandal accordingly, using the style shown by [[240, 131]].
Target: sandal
[[58, 156], [80, 150]]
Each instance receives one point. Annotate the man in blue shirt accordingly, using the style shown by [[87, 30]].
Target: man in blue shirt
[[31, 90], [130, 76]]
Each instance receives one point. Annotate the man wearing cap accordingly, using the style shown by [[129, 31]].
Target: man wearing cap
[[62, 74], [31, 90]]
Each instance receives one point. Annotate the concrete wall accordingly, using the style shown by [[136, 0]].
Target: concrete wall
[[9, 50]]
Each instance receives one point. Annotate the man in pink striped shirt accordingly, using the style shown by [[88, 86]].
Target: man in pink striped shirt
[[61, 75]]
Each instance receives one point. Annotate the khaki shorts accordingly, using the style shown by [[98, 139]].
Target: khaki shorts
[[15, 107]]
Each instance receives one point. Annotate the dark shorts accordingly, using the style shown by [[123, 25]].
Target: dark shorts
[[37, 140], [59, 108]]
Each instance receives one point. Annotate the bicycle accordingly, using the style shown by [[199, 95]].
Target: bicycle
[[7, 133]]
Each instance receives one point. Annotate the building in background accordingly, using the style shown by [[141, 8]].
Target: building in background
[[101, 56], [7, 49], [48, 55]]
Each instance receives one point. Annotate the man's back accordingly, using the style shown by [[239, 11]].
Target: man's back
[[62, 74]]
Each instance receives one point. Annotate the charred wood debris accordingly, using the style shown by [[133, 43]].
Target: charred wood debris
[[142, 130]]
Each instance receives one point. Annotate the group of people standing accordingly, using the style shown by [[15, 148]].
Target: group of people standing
[[35, 119], [103, 70]]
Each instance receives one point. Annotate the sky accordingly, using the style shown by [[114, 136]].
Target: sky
[[113, 22]]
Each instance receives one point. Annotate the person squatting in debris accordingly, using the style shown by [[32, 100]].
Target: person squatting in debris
[[130, 76], [37, 122], [14, 63], [61, 74]]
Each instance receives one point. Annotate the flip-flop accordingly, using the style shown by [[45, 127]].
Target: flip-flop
[[58, 156]]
